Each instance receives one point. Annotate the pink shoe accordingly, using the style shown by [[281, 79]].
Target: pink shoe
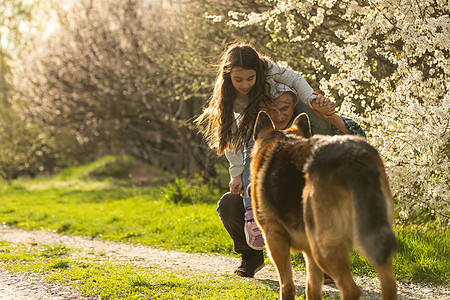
[[253, 234]]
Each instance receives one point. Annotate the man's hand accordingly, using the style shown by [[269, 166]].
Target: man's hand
[[322, 106]]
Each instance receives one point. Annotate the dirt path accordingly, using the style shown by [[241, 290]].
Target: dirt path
[[18, 286]]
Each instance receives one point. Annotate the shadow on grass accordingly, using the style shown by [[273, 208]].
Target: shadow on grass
[[333, 293]]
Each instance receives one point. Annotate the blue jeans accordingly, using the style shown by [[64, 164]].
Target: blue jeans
[[318, 126], [246, 174]]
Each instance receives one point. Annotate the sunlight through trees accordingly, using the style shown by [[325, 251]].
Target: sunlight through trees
[[128, 77]]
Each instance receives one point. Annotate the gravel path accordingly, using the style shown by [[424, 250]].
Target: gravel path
[[19, 286]]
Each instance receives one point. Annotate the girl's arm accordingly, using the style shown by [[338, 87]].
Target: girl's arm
[[292, 79], [236, 168]]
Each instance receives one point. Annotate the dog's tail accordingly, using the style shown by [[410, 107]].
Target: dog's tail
[[372, 221], [358, 166]]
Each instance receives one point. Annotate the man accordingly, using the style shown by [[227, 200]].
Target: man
[[231, 211]]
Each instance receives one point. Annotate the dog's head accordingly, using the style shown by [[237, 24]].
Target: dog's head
[[264, 127], [272, 155]]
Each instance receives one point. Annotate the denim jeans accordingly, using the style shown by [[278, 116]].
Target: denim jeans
[[246, 174]]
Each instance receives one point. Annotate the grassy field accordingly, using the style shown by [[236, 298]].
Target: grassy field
[[98, 278], [99, 200]]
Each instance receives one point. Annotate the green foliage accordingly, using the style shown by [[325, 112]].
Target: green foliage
[[105, 167], [183, 192], [139, 281], [28, 149], [180, 192], [21, 144], [118, 170]]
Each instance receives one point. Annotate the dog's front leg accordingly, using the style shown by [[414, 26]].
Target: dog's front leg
[[277, 241]]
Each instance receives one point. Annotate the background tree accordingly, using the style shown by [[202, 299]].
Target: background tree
[[19, 141], [389, 61], [12, 15], [128, 77], [107, 76]]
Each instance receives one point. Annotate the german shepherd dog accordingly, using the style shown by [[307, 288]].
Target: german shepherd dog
[[318, 195]]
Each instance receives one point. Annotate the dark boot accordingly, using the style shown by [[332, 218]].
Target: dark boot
[[252, 262]]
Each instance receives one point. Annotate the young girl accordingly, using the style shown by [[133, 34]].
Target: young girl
[[242, 87]]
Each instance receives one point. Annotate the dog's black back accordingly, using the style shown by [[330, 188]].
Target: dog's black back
[[356, 165], [319, 195]]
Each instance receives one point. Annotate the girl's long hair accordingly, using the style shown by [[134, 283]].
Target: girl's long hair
[[216, 121]]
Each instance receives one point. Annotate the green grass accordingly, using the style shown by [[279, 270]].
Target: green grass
[[106, 167], [120, 214], [94, 277], [180, 216], [423, 255]]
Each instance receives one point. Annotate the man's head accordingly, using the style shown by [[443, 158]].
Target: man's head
[[282, 110]]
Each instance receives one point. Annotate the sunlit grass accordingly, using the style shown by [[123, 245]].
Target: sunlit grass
[[424, 255], [120, 214], [155, 216], [94, 277]]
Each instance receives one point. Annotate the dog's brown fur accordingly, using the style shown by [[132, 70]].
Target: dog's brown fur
[[318, 195]]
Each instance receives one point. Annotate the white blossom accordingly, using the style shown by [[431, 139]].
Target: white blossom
[[411, 125]]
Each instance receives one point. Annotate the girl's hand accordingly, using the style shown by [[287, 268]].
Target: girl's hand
[[236, 185], [322, 106], [321, 100]]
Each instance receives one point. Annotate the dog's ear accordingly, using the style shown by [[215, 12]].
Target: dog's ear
[[302, 125], [262, 122]]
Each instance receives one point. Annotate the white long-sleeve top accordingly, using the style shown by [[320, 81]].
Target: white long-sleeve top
[[276, 74]]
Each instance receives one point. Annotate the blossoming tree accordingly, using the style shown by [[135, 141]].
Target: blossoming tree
[[392, 62]]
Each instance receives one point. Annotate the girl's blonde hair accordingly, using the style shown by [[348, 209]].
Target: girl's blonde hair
[[216, 121]]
